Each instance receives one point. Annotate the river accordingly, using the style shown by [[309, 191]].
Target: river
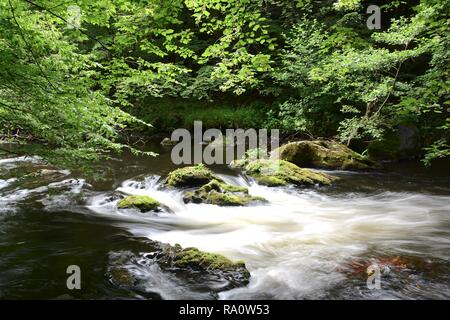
[[304, 244]]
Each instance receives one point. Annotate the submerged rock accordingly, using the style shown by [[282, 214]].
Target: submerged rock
[[221, 194], [168, 142], [143, 203], [194, 176], [322, 154], [121, 277], [41, 177], [279, 173]]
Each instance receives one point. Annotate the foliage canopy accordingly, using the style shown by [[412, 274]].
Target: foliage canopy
[[316, 65]]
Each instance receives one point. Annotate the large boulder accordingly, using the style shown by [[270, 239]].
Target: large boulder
[[279, 173], [142, 203], [194, 176], [221, 194], [322, 154]]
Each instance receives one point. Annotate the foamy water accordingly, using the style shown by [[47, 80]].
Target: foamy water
[[295, 245]]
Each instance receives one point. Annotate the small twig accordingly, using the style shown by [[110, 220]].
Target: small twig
[[376, 113], [397, 73]]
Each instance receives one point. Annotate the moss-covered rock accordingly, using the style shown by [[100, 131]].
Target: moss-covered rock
[[213, 272], [270, 181], [121, 276], [280, 172], [221, 194], [223, 187], [227, 199], [249, 156], [194, 176], [143, 203], [195, 259], [194, 262], [239, 163], [322, 154], [221, 198], [211, 189]]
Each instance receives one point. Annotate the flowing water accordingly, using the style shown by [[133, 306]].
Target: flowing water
[[304, 244]]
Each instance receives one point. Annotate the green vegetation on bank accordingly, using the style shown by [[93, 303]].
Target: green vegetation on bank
[[168, 114], [309, 68]]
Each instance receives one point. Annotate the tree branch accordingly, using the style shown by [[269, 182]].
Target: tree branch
[[59, 17], [30, 48], [397, 73]]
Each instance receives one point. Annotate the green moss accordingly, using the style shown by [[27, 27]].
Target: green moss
[[222, 187], [230, 199], [194, 176], [239, 164], [221, 194], [280, 172], [221, 197], [250, 155], [322, 154], [270, 181], [143, 203], [192, 257], [212, 189], [121, 277]]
